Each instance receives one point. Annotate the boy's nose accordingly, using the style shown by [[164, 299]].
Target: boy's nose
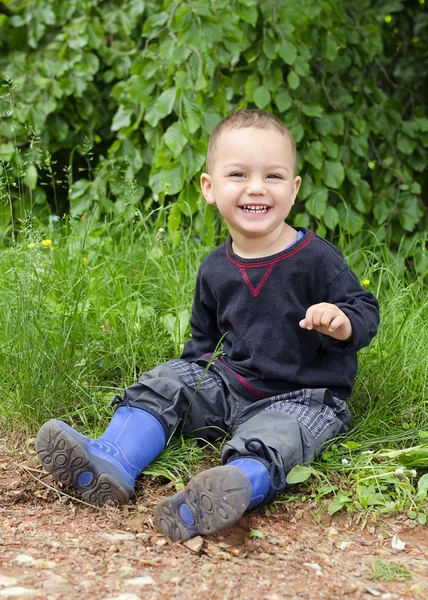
[[255, 187]]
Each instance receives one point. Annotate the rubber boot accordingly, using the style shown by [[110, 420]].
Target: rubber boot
[[213, 500], [105, 468]]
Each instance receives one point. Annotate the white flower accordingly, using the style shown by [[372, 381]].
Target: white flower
[[368, 452], [413, 473], [399, 472], [345, 461]]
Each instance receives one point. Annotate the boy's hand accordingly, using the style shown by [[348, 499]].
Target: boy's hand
[[328, 319]]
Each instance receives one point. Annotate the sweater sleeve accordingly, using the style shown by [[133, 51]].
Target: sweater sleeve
[[203, 322], [359, 305]]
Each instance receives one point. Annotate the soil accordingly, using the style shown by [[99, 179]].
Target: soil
[[52, 547]]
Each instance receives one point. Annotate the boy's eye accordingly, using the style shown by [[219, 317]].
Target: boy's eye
[[274, 176], [238, 174]]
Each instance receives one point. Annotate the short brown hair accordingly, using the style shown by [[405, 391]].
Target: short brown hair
[[254, 117]]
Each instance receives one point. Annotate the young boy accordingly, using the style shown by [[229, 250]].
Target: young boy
[[293, 317]]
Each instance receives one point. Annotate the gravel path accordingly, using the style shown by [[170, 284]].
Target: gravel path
[[54, 548]]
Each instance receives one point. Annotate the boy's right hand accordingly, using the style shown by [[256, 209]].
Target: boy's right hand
[[328, 319]]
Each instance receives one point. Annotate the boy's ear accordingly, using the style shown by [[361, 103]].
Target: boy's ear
[[207, 188], [297, 183]]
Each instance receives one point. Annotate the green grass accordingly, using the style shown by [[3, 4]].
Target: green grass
[[382, 571], [82, 317]]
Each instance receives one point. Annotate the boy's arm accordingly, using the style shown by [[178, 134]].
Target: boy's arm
[[347, 318], [203, 322]]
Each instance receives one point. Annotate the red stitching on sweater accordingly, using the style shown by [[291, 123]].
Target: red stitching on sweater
[[253, 290], [268, 263], [242, 380], [274, 261]]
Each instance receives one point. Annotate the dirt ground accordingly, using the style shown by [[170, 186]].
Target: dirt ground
[[53, 547]]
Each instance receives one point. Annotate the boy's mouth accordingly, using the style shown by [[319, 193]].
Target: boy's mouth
[[255, 208]]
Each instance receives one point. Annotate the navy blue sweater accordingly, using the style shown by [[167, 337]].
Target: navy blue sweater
[[259, 302]]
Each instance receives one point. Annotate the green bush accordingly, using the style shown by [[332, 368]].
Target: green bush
[[109, 105]]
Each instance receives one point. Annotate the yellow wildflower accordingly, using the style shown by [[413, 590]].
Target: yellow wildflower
[[52, 248], [366, 282], [137, 325], [31, 245], [46, 242], [84, 259]]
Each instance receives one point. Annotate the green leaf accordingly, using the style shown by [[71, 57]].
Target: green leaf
[[330, 217], [162, 107], [122, 118], [288, 52], [252, 83], [283, 100], [405, 144], [192, 113], [269, 48], [174, 218], [299, 473], [410, 212], [422, 518], [331, 148], [261, 97], [248, 14], [301, 220], [362, 196], [312, 109], [315, 155], [316, 205], [350, 220], [333, 174], [257, 533], [340, 500], [293, 80], [30, 178], [272, 79], [169, 180], [6, 151], [176, 138]]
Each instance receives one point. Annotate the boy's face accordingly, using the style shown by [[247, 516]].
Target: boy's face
[[252, 181]]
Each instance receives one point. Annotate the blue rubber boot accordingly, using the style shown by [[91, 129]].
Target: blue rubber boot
[[105, 468], [213, 500]]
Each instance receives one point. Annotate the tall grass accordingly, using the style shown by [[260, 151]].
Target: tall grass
[[83, 316]]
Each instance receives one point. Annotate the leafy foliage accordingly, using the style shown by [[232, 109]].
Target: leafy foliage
[[110, 104]]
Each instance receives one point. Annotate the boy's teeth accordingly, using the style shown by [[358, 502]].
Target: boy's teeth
[[255, 209]]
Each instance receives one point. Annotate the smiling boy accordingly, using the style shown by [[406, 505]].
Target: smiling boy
[[292, 317]]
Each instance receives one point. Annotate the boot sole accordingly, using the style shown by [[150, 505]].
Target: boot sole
[[65, 457], [217, 499]]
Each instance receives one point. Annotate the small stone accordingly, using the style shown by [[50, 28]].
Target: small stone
[[119, 537], [6, 581], [18, 592], [172, 577], [372, 591], [397, 543], [313, 566], [145, 580], [25, 560], [332, 531], [195, 544], [123, 597], [343, 546], [161, 542], [57, 584], [45, 564]]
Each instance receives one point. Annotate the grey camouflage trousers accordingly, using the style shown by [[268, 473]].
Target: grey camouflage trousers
[[281, 431]]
